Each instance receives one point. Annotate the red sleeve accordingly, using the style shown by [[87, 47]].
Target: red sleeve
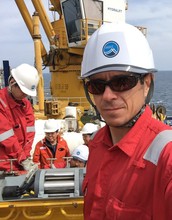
[[168, 200], [36, 154], [30, 128], [10, 147], [163, 185], [67, 150]]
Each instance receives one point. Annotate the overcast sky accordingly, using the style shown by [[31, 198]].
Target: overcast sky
[[16, 44]]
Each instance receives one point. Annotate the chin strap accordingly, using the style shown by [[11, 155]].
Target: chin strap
[[147, 101], [92, 104], [150, 92], [135, 118]]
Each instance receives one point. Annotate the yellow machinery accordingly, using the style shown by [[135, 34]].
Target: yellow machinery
[[67, 36], [42, 194]]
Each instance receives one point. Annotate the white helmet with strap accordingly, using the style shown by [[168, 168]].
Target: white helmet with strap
[[89, 128], [51, 125], [27, 78], [117, 46], [81, 153]]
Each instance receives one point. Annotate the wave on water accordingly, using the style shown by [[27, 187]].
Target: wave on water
[[163, 90]]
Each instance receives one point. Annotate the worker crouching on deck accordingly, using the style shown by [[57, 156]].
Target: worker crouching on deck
[[129, 169], [79, 156], [17, 119], [50, 151]]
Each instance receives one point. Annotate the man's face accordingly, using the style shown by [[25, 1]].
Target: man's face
[[51, 136], [16, 91], [76, 163], [86, 138], [117, 108]]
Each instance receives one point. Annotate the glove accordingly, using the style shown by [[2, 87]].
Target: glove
[[53, 166], [27, 164]]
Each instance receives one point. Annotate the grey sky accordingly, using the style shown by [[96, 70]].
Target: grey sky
[[16, 44]]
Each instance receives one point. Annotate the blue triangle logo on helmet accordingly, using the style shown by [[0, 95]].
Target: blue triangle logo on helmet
[[78, 153], [110, 49], [33, 87]]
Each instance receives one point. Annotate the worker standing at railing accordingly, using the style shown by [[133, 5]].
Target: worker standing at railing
[[49, 152], [79, 156], [17, 119]]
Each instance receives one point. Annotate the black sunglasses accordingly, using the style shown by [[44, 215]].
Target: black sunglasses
[[119, 83]]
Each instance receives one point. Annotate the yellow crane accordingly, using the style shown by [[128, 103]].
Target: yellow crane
[[67, 36]]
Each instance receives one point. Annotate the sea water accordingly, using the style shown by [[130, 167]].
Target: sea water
[[162, 89]]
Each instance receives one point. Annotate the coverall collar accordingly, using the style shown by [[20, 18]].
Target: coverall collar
[[130, 141]]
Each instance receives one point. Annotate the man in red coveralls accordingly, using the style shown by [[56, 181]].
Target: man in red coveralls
[[50, 151], [17, 119], [129, 169]]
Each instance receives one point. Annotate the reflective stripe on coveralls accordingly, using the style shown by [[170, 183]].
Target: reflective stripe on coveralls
[[10, 133], [6, 135], [160, 141], [30, 129], [3, 103]]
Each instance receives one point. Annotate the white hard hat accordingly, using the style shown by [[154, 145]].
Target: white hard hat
[[89, 128], [81, 153], [51, 125], [27, 78], [117, 46]]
